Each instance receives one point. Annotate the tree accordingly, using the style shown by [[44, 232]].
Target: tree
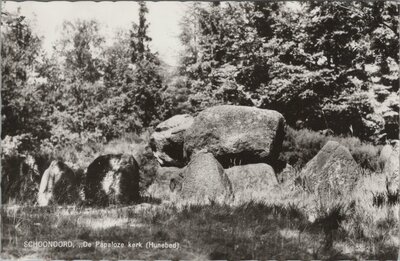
[[80, 46], [139, 39], [223, 55], [313, 65], [146, 85], [22, 109], [104, 91], [327, 62], [74, 80]]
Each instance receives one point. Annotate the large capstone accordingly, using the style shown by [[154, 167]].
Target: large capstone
[[236, 135]]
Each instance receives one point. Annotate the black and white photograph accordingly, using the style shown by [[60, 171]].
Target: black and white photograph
[[200, 130]]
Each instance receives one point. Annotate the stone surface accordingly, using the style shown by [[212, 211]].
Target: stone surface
[[331, 176], [236, 135], [58, 185], [112, 179], [167, 140], [202, 180], [252, 180], [161, 186]]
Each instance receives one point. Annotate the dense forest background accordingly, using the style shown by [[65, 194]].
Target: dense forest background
[[325, 66]]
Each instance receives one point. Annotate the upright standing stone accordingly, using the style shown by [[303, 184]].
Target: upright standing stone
[[203, 180], [58, 185], [330, 176], [112, 179]]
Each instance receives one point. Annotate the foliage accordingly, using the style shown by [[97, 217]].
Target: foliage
[[21, 104], [312, 64], [332, 68], [175, 97], [146, 76], [86, 91], [78, 47], [70, 105]]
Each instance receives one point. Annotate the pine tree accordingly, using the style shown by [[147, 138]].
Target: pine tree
[[145, 90], [139, 36]]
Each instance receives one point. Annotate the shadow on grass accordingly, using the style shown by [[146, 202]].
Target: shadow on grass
[[215, 231]]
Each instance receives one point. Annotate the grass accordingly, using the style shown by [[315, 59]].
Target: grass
[[211, 232], [258, 229]]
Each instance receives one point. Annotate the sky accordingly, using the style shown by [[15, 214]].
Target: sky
[[164, 18]]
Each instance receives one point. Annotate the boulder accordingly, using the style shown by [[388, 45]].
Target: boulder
[[330, 176], [161, 186], [167, 140], [112, 179], [58, 185], [236, 135], [252, 181], [202, 180], [390, 157]]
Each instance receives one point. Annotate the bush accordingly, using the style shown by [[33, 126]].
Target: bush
[[300, 146]]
